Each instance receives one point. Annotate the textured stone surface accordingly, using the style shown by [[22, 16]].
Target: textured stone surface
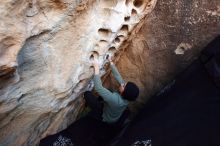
[[46, 48], [172, 36]]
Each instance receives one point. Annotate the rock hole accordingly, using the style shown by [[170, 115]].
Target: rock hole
[[103, 41], [91, 69], [121, 36], [112, 50], [104, 32], [138, 3], [94, 55], [127, 18], [124, 28], [117, 40], [133, 12], [30, 5]]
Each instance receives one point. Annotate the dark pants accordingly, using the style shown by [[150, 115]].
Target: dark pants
[[95, 104]]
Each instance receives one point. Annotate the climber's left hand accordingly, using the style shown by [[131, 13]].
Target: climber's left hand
[[95, 64]]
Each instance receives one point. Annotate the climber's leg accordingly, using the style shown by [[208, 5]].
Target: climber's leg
[[95, 105]]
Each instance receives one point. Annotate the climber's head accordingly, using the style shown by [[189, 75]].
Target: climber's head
[[129, 91]]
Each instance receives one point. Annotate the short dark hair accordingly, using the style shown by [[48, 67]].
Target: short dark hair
[[131, 91]]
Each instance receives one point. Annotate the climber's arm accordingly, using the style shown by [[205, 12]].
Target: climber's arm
[[107, 95], [116, 74]]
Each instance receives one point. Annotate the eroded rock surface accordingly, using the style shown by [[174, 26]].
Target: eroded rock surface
[[46, 48], [172, 37]]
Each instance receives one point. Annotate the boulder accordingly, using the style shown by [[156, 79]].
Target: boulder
[[46, 49]]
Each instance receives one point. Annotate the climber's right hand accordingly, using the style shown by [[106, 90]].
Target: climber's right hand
[[110, 59]]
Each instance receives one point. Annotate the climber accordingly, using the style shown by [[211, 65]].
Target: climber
[[115, 103]]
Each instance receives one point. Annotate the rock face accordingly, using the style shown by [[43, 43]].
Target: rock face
[[46, 48], [172, 37]]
